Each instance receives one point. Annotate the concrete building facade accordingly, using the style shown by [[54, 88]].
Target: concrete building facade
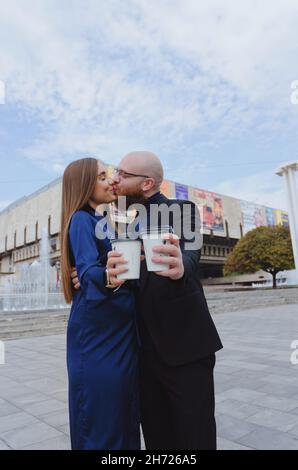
[[225, 221]]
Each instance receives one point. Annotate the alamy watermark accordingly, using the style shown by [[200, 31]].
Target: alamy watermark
[[183, 221], [294, 94], [2, 353], [2, 92], [294, 355]]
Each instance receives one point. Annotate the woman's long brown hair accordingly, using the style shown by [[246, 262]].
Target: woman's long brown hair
[[78, 183]]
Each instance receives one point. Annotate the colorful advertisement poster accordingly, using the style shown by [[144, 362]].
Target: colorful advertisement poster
[[282, 217], [168, 189], [181, 191], [110, 169], [270, 217], [253, 215], [210, 207]]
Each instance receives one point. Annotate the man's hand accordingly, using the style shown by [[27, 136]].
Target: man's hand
[[75, 279], [174, 260]]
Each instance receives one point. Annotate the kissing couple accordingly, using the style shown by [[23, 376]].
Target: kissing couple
[[139, 351]]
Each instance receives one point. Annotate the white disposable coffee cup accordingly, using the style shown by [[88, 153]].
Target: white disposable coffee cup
[[153, 237], [131, 252]]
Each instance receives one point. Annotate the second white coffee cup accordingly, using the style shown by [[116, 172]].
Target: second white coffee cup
[[151, 238]]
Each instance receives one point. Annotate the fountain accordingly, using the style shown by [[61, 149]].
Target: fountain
[[45, 266], [283, 278], [34, 286]]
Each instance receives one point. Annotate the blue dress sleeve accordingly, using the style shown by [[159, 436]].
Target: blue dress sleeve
[[91, 272]]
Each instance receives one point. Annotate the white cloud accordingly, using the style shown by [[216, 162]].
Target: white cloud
[[58, 168], [264, 188], [106, 77], [4, 204], [2, 92]]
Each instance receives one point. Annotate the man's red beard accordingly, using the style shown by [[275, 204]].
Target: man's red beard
[[133, 197]]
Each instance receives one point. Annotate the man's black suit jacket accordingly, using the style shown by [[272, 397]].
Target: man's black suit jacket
[[175, 312]]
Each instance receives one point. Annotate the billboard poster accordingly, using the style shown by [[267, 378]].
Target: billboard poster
[[260, 216], [168, 189], [210, 207], [282, 218], [253, 215], [110, 169], [270, 216], [181, 191]]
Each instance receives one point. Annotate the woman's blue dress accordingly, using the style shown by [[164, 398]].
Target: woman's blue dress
[[102, 348]]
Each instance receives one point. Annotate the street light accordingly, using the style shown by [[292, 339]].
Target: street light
[[288, 171]]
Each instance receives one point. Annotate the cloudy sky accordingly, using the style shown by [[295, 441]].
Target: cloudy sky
[[205, 85]]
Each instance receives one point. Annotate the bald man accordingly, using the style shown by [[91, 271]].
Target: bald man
[[178, 336]]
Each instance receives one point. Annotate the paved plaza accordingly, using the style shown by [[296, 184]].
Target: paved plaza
[[256, 385]]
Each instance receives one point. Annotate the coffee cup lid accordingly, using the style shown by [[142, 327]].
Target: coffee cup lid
[[156, 229], [124, 239]]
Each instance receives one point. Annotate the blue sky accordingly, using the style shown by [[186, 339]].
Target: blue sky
[[205, 85]]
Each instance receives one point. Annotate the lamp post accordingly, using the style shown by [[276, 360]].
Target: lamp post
[[288, 172]]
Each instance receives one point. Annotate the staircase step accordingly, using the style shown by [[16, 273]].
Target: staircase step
[[15, 325]]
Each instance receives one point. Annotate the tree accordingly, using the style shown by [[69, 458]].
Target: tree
[[267, 248]]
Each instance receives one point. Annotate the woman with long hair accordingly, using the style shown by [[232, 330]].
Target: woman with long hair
[[102, 347]]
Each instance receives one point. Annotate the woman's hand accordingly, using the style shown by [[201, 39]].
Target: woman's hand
[[75, 279], [114, 263]]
